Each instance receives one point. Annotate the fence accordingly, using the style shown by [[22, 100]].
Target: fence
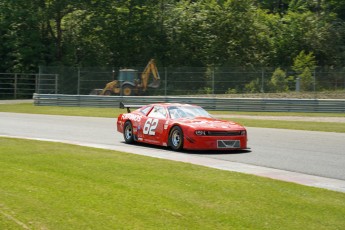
[[209, 81], [212, 81], [21, 85]]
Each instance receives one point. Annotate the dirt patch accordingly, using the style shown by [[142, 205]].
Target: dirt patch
[[16, 101]]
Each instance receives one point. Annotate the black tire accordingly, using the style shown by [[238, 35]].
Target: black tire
[[107, 93], [176, 138], [128, 132], [127, 90]]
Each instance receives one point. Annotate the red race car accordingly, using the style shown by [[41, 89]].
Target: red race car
[[180, 126]]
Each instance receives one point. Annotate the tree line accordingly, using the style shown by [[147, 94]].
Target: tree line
[[247, 33]]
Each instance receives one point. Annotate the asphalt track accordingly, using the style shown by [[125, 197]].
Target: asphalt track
[[310, 158]]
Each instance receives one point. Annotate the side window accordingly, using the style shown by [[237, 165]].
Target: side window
[[176, 112], [145, 110], [158, 112]]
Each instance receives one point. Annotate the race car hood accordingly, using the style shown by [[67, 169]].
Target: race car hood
[[210, 124]]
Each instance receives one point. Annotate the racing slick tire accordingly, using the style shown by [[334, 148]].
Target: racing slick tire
[[128, 132], [176, 138]]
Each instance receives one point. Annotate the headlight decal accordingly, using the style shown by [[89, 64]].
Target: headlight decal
[[220, 133], [200, 132]]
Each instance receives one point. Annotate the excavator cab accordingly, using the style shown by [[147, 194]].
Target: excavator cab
[[128, 75], [128, 79]]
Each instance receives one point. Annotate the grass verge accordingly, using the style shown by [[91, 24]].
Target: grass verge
[[114, 112], [279, 114], [58, 186], [60, 110], [294, 125]]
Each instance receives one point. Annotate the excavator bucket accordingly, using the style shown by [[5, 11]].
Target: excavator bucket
[[150, 68], [155, 84]]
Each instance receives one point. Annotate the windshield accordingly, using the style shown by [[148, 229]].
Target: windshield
[[176, 112]]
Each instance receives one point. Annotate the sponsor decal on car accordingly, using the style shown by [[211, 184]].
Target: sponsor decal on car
[[166, 125], [132, 117]]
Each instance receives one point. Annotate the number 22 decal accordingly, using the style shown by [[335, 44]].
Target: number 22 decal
[[150, 126]]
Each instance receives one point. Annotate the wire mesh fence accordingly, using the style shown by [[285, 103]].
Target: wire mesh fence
[[210, 81], [183, 81], [23, 85], [16, 85]]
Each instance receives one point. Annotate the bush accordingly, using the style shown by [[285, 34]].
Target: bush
[[253, 87], [279, 81], [306, 80]]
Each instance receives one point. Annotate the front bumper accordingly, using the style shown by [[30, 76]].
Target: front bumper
[[215, 142]]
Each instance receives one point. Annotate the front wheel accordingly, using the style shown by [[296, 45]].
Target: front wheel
[[127, 90], [176, 138], [128, 132]]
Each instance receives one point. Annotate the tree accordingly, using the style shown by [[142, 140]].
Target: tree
[[21, 40], [233, 34], [206, 33], [275, 6], [336, 6], [304, 60], [187, 33]]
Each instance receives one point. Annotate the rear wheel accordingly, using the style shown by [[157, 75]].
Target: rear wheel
[[107, 93], [176, 138], [127, 90], [128, 132]]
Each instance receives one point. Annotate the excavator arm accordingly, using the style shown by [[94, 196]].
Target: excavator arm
[[150, 68]]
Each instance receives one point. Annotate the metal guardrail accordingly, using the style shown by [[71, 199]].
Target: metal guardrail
[[227, 104]]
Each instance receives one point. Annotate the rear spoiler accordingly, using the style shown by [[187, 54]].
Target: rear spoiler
[[128, 106]]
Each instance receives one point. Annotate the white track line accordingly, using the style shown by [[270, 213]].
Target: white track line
[[11, 218]]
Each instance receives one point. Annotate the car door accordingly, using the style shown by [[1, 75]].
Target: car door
[[153, 125]]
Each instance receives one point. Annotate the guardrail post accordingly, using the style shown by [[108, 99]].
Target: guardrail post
[[38, 79], [165, 81], [36, 83], [262, 80], [213, 70], [15, 85], [78, 85], [314, 84], [298, 84], [56, 83]]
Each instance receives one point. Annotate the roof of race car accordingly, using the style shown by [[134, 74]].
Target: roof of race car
[[164, 104], [171, 104]]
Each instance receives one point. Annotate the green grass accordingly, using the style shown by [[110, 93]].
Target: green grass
[[279, 114], [60, 110], [58, 186], [294, 125], [114, 112]]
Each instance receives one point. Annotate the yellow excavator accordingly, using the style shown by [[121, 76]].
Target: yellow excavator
[[129, 83]]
